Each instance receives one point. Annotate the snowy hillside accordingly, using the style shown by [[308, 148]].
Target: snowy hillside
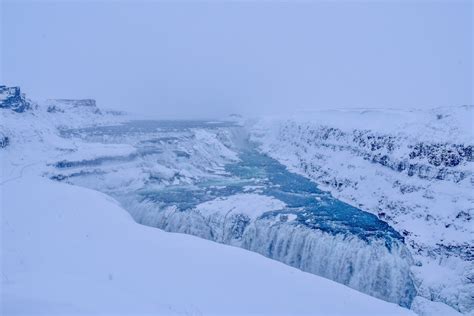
[[413, 169]]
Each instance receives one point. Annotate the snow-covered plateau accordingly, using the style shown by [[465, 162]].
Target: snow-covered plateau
[[383, 207]]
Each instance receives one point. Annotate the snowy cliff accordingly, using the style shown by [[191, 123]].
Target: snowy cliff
[[413, 169]]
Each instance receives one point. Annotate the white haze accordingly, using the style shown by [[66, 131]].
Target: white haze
[[209, 59]]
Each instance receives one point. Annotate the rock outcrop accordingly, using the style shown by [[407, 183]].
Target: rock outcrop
[[12, 98]]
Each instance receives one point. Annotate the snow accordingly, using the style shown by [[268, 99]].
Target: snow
[[290, 217], [91, 151], [424, 307], [208, 142], [252, 205], [446, 123], [67, 249]]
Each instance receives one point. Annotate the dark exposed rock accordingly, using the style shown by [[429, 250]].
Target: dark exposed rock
[[54, 109], [4, 141], [448, 155], [12, 98], [62, 105], [423, 160]]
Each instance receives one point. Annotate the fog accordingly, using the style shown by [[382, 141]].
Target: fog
[[209, 59]]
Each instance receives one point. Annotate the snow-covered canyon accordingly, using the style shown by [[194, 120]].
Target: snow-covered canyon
[[383, 212], [414, 169], [204, 179]]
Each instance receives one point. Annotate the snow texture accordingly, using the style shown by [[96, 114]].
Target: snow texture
[[251, 205]]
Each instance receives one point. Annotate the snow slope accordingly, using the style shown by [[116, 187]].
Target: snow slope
[[67, 249]]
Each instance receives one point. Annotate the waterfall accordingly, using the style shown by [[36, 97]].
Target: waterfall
[[370, 266]]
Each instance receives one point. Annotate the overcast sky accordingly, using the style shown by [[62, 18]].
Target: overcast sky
[[207, 59]]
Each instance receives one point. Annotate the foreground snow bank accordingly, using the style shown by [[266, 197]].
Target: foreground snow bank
[[67, 249]]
